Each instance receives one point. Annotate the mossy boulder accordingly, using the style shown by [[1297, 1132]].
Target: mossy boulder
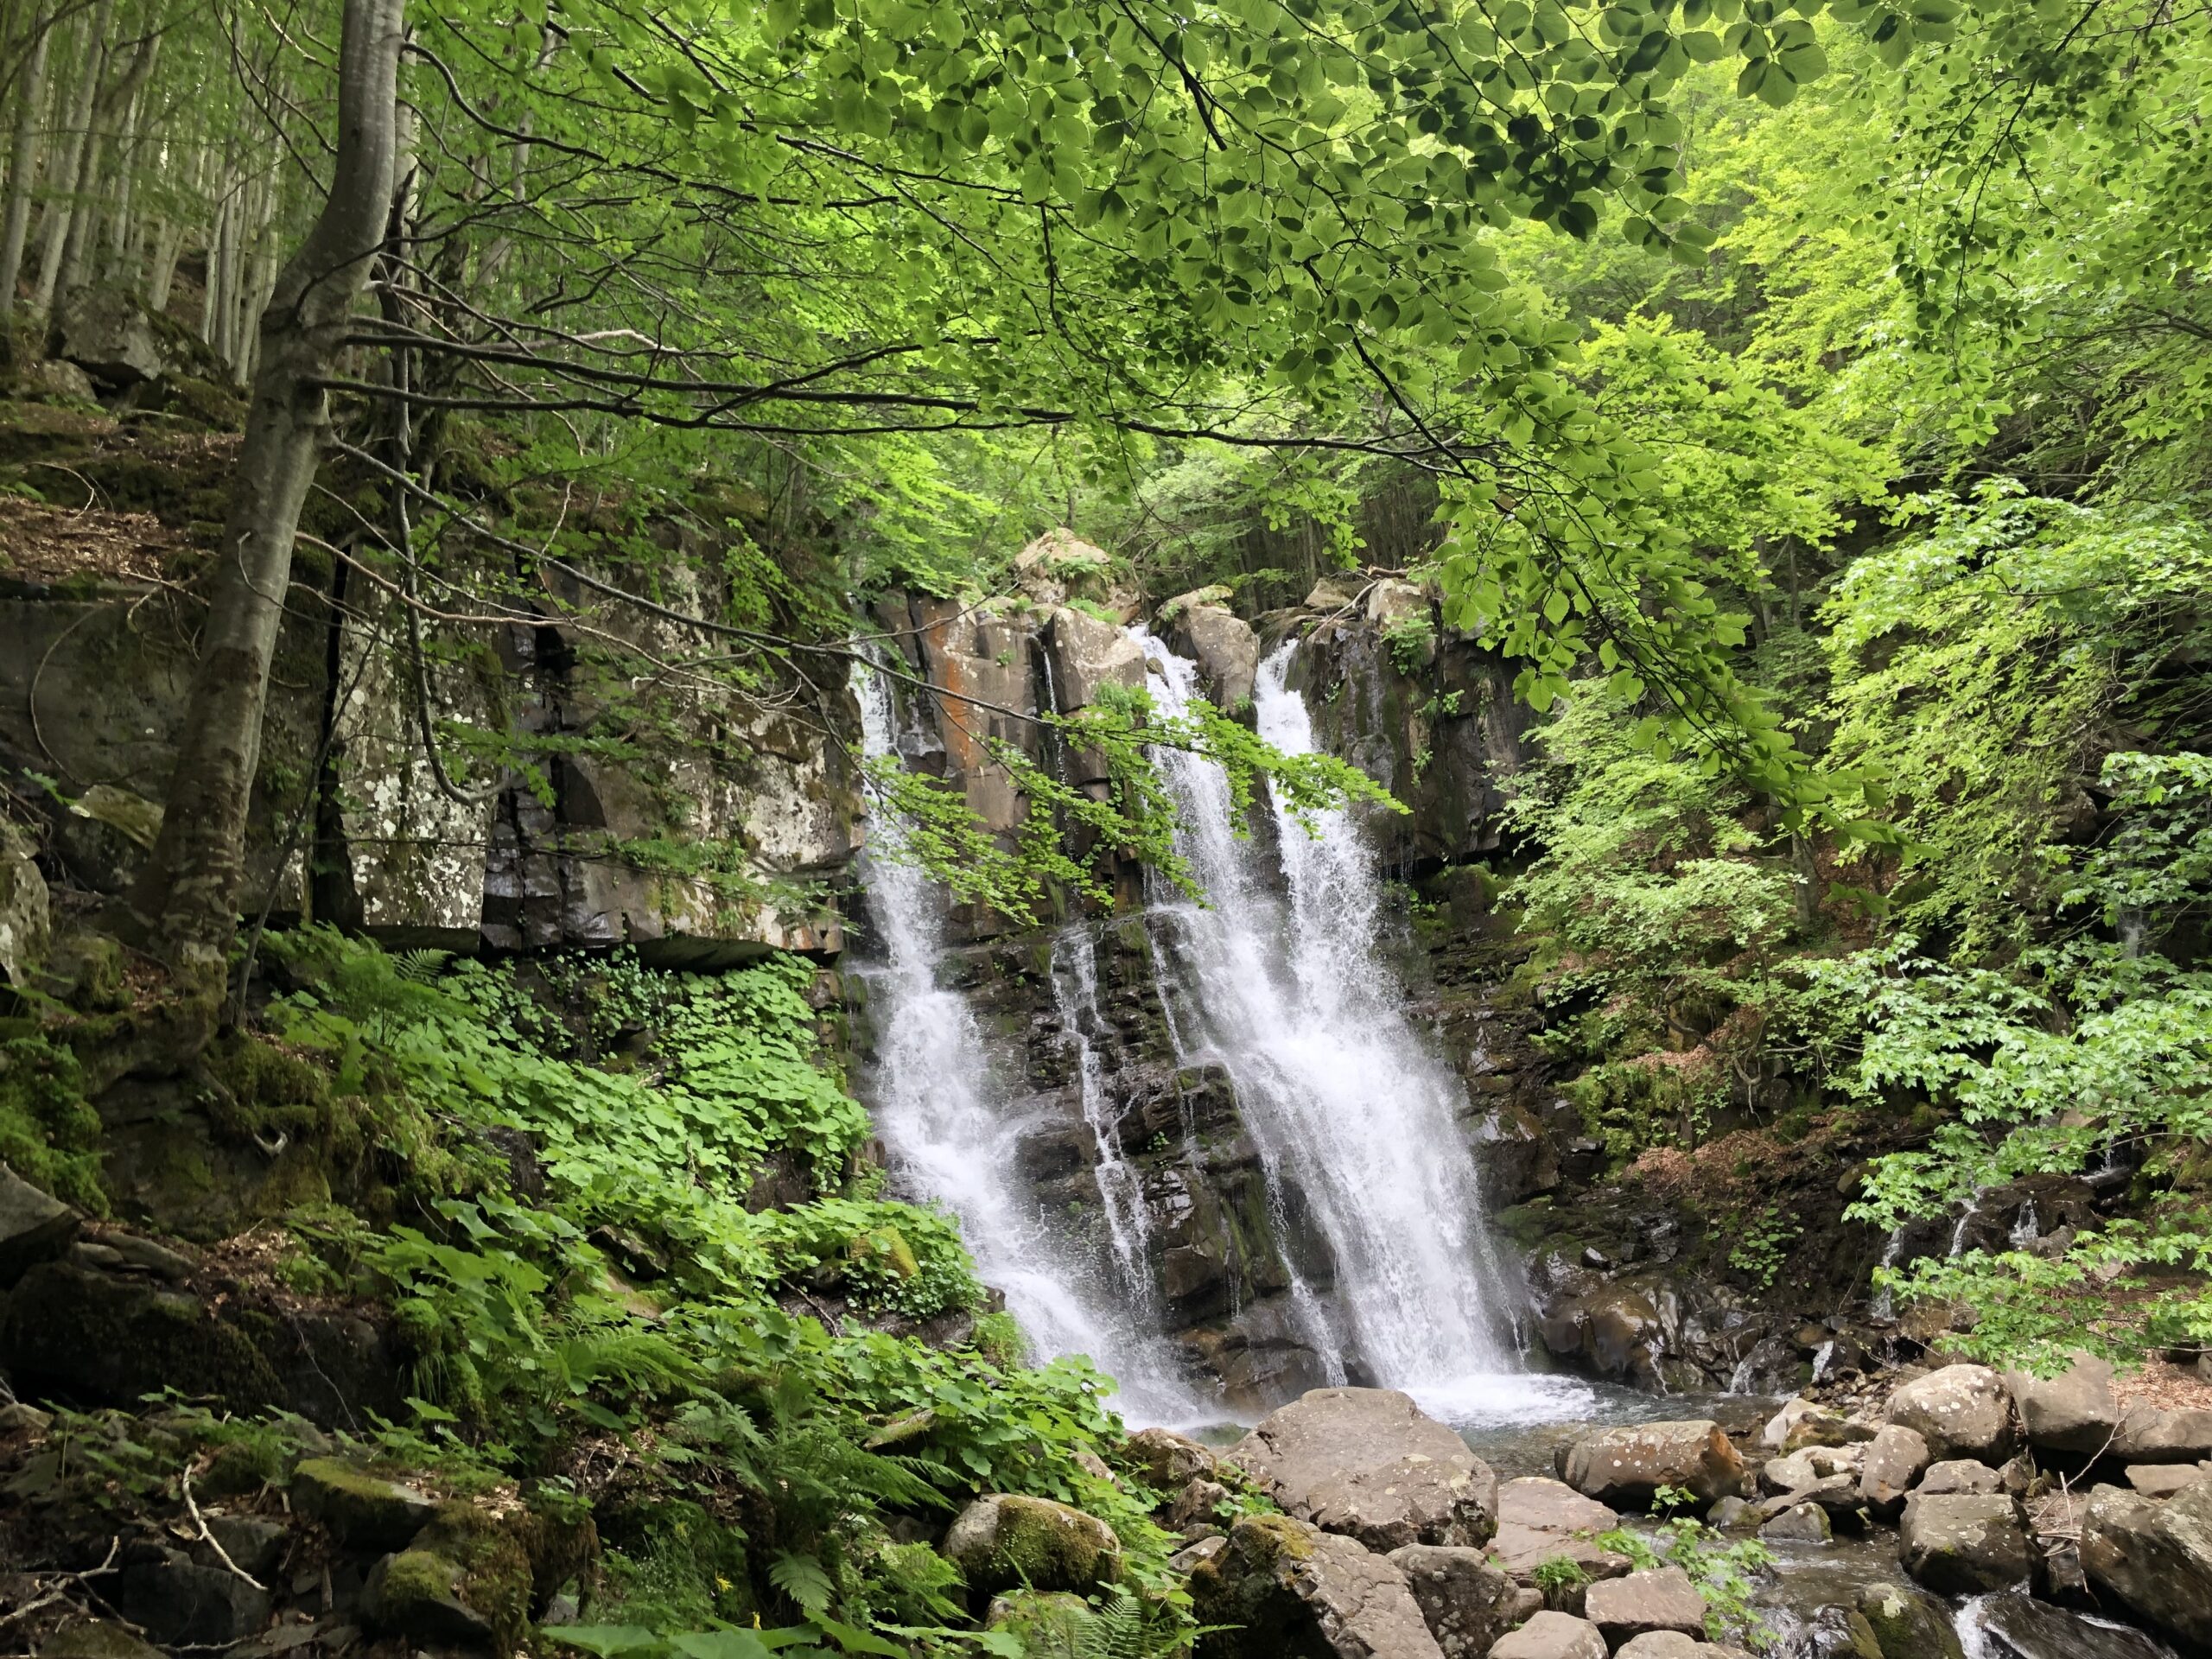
[[362, 1508], [1003, 1540], [1281, 1589], [1907, 1624], [473, 1575], [463, 1578], [85, 1335], [96, 1639], [1050, 1624]]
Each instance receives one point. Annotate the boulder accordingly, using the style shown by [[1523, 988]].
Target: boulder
[[1963, 1544], [2165, 1479], [1468, 1603], [2148, 1434], [1197, 1503], [110, 334], [364, 1512], [1281, 1589], [1954, 1475], [1369, 1462], [1673, 1645], [1185, 1560], [2014, 1626], [1801, 1523], [1551, 1506], [1222, 644], [59, 379], [2072, 1412], [1003, 1540], [1168, 1461], [1961, 1411], [1907, 1624], [26, 916], [33, 1227], [1657, 1599], [1552, 1636], [1623, 1466], [1086, 655], [1896, 1457], [1775, 1435], [2154, 1556], [1733, 1515], [72, 1330], [179, 1603]]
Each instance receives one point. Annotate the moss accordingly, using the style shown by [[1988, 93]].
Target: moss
[[49, 1134], [494, 1580], [266, 1091], [242, 1466], [1275, 1537]]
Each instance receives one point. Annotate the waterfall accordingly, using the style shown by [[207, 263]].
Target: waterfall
[[954, 1134], [1345, 1101]]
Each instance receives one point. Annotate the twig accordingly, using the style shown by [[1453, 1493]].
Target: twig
[[106, 1565], [200, 1522]]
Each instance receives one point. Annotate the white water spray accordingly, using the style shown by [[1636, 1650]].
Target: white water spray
[[1345, 1102], [954, 1135]]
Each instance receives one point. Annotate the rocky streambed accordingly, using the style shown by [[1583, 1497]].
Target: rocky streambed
[[1956, 1513]]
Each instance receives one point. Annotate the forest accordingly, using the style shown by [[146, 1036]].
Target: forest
[[616, 620]]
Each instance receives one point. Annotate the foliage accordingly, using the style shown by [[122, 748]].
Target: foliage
[[1723, 1572], [49, 1134]]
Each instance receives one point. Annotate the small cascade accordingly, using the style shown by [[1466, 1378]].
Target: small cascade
[[1075, 990], [1348, 1106], [954, 1137], [1884, 1307], [2027, 1226]]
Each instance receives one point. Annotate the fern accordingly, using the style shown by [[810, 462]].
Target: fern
[[806, 1581]]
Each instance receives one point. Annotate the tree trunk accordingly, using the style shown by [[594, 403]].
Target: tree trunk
[[76, 142], [189, 894], [22, 168]]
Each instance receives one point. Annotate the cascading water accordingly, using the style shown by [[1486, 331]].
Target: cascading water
[[1346, 1103], [954, 1137]]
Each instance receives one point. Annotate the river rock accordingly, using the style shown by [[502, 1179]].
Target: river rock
[[1907, 1624], [1551, 1506], [1962, 1545], [2148, 1434], [1467, 1602], [2073, 1412], [1279, 1586], [1169, 1461], [2165, 1479], [1801, 1523], [1197, 1504], [1669, 1644], [1961, 1411], [33, 1227], [2014, 1626], [1552, 1636], [1657, 1599], [2155, 1556], [1623, 1466], [1896, 1457], [1955, 1476], [1004, 1539], [1369, 1462]]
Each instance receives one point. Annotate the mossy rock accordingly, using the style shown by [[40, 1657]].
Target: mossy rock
[[1050, 1624], [1004, 1539], [1906, 1624], [96, 1337], [96, 1639], [362, 1508]]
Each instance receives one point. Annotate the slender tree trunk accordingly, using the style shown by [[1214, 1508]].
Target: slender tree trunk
[[76, 141], [189, 892], [22, 168]]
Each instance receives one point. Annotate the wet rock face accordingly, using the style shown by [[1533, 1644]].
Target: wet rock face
[[1433, 720], [1370, 1464]]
